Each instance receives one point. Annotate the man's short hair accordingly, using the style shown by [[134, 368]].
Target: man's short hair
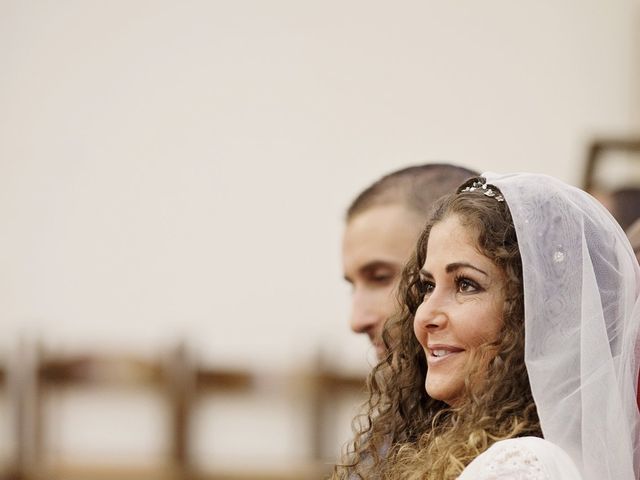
[[416, 187]]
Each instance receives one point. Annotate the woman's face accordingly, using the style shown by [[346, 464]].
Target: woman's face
[[462, 306]]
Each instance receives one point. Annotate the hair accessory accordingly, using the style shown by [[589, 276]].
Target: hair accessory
[[488, 191]]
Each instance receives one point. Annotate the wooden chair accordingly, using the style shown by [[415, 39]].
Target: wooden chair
[[35, 373]]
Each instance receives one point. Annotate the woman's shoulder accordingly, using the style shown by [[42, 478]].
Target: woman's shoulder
[[525, 458]]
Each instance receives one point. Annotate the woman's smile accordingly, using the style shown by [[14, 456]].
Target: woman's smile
[[462, 307], [440, 353]]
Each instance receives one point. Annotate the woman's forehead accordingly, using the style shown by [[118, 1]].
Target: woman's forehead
[[452, 239]]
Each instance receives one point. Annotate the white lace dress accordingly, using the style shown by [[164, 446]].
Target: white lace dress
[[526, 458]]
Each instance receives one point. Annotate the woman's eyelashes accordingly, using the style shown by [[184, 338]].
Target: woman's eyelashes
[[466, 285], [426, 287], [461, 283]]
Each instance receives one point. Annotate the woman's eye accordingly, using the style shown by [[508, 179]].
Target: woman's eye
[[427, 288], [466, 286]]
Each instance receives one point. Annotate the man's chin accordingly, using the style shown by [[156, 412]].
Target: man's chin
[[381, 351]]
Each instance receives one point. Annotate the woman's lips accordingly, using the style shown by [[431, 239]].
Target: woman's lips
[[440, 353]]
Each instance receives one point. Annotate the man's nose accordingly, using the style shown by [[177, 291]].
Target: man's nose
[[364, 319]]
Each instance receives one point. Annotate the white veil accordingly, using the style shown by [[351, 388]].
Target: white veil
[[582, 316]]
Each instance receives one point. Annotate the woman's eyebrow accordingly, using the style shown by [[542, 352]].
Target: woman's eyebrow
[[425, 274], [452, 267]]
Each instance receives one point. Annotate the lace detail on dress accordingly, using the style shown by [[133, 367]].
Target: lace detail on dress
[[506, 460]]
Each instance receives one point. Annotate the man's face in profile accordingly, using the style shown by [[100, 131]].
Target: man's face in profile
[[376, 244]]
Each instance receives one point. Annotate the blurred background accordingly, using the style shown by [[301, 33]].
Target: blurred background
[[173, 180]]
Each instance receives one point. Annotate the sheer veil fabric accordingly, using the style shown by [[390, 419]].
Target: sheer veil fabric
[[582, 317]]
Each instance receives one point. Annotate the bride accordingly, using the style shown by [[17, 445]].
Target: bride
[[515, 355]]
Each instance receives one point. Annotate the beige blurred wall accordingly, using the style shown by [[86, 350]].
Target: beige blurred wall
[[180, 169]]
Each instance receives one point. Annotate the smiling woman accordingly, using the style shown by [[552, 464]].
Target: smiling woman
[[462, 307], [515, 353]]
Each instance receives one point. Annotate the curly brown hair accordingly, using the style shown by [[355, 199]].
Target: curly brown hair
[[403, 432]]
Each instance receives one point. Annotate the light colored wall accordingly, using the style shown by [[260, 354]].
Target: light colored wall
[[181, 168]]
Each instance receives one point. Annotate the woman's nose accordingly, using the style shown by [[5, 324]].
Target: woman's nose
[[431, 314]]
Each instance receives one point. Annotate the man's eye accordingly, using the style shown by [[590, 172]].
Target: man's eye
[[382, 277]]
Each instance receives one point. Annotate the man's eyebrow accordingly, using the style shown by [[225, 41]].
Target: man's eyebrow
[[372, 265]]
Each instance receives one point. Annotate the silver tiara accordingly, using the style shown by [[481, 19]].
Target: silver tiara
[[488, 191]]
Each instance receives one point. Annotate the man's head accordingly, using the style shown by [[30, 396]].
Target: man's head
[[382, 226]]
